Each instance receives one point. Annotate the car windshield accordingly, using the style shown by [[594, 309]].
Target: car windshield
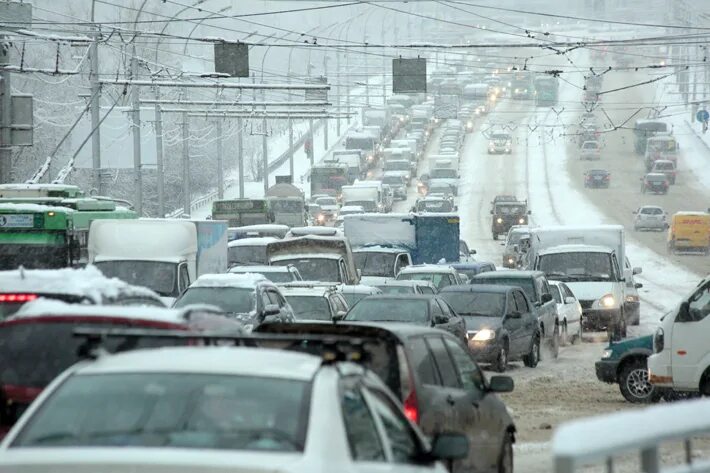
[[158, 276], [439, 280], [390, 310], [509, 209], [442, 173], [486, 304], [435, 206], [577, 266], [309, 307], [651, 211], [526, 284], [500, 137], [375, 263], [515, 237], [314, 269], [353, 298], [394, 289], [172, 410], [241, 255], [233, 300]]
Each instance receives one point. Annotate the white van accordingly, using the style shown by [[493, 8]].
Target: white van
[[681, 353]]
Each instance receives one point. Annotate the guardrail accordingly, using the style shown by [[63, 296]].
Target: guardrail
[[601, 439]]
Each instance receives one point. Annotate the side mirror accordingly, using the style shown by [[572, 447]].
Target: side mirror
[[472, 252], [570, 300], [515, 315], [501, 384], [546, 298], [638, 285], [449, 446], [516, 248], [271, 309], [637, 270], [529, 212]]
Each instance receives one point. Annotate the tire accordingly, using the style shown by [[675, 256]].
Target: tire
[[554, 344], [495, 236], [634, 385], [578, 336], [624, 325], [564, 339], [501, 362], [533, 357], [505, 459]]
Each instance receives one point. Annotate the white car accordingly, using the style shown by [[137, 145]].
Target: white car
[[650, 217], [590, 150], [569, 312], [220, 408]]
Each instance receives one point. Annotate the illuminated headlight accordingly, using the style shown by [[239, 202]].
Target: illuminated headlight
[[483, 335], [521, 221], [370, 157], [517, 91], [436, 120], [499, 220], [607, 301], [401, 119], [632, 298], [493, 98], [607, 354], [370, 174], [511, 260], [478, 111], [469, 125], [321, 218]]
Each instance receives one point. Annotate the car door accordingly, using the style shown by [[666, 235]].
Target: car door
[[528, 318], [438, 318], [574, 307], [689, 341], [456, 324], [514, 327], [486, 433], [462, 407]]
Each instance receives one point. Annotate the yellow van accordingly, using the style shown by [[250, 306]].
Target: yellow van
[[689, 231]]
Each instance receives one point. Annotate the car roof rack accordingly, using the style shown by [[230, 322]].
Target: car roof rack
[[331, 348]]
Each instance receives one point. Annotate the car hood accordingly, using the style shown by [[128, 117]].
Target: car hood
[[645, 342], [590, 290], [474, 323]]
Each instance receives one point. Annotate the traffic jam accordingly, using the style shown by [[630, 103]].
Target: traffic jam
[[507, 271]]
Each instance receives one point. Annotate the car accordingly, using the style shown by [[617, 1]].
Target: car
[[315, 214], [590, 150], [537, 288], [26, 370], [351, 210], [394, 286], [275, 274], [440, 275], [329, 207], [500, 142], [655, 182], [353, 293], [650, 217], [501, 324], [248, 251], [314, 301], [473, 268], [211, 406], [505, 214], [250, 298], [86, 286], [569, 312], [441, 186], [418, 309], [398, 181], [436, 204], [504, 198], [667, 167], [377, 263], [514, 247], [439, 384], [596, 178], [624, 363]]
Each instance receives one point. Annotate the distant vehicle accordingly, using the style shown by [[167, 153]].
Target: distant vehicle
[[329, 177], [500, 142], [661, 146], [666, 167], [689, 232], [401, 286], [434, 204], [590, 150], [351, 210], [252, 231], [422, 310], [355, 293], [596, 178], [240, 212], [650, 217], [397, 180], [569, 312], [314, 301], [275, 274], [501, 323], [521, 85], [655, 182], [473, 268], [647, 128], [378, 262], [328, 208], [86, 286], [546, 90], [514, 248], [505, 214], [248, 251], [440, 275], [249, 298], [287, 204]]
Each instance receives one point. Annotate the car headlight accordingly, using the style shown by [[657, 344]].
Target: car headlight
[[521, 221], [469, 124], [401, 119], [321, 217], [499, 220], [511, 260], [484, 335], [607, 354], [370, 157], [607, 301]]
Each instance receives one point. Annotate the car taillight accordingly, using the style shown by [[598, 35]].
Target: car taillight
[[406, 382], [17, 297]]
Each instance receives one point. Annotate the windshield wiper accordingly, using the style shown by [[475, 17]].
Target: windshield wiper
[[559, 275]]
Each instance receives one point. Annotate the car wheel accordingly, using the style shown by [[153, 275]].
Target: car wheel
[[554, 343], [634, 385], [623, 325], [578, 337], [533, 358], [505, 462], [501, 362], [563, 337], [495, 236]]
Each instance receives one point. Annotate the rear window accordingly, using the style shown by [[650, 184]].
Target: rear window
[[32, 354], [526, 284]]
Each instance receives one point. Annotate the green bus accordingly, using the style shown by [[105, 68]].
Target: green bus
[[546, 91], [241, 212]]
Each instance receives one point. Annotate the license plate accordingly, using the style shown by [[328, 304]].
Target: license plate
[[17, 221], [598, 178]]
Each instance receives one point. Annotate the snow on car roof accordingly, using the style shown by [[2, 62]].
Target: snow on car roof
[[427, 268], [575, 249], [246, 280], [261, 362], [86, 282], [358, 289], [256, 241], [352, 208], [51, 307], [260, 268], [318, 291], [292, 256], [378, 249]]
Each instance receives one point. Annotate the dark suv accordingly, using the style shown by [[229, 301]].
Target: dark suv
[[505, 214], [441, 387]]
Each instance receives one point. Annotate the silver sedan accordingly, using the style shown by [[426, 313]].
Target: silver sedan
[[650, 217]]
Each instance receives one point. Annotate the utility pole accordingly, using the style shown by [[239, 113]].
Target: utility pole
[[186, 200], [310, 138], [240, 156], [159, 155], [290, 148], [5, 115], [95, 112], [220, 168], [136, 125], [325, 120], [265, 152], [337, 90]]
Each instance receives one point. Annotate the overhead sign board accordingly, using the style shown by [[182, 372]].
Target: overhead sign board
[[231, 59], [317, 95], [408, 76]]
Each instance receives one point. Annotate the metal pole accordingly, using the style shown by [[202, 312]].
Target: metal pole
[[240, 156], [220, 167], [265, 153], [186, 200], [160, 177], [136, 129], [310, 135], [337, 90], [95, 111], [290, 148], [5, 117], [325, 120]]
